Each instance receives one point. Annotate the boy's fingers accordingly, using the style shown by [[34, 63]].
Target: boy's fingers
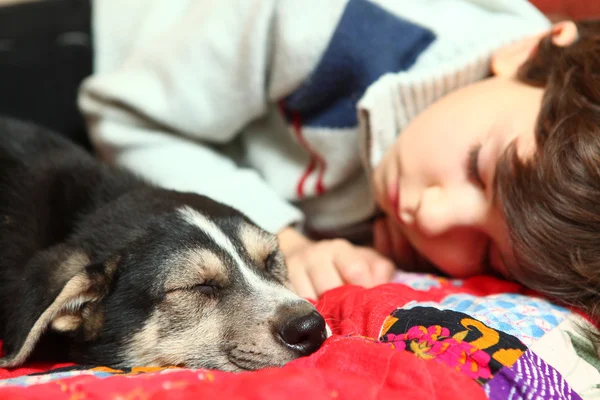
[[381, 268], [382, 271], [324, 277], [301, 283], [353, 268], [332, 264]]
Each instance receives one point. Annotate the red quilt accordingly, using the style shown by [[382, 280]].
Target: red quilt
[[422, 337]]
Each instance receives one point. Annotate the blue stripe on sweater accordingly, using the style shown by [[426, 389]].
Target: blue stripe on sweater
[[368, 42]]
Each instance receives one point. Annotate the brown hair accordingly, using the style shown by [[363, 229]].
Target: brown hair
[[552, 200]]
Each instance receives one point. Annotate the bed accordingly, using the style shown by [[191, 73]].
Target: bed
[[420, 337]]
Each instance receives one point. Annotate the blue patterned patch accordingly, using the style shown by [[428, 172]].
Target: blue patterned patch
[[29, 380], [81, 370], [424, 282], [527, 318]]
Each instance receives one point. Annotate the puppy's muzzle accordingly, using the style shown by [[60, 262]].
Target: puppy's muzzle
[[302, 330]]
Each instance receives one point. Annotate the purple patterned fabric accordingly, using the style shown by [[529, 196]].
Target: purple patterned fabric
[[529, 378]]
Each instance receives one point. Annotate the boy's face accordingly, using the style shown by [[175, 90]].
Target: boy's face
[[436, 183]]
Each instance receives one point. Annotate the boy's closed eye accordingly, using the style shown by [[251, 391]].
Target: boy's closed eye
[[473, 171]]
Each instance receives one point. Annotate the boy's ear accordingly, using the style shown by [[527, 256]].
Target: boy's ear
[[75, 307], [564, 33], [507, 60]]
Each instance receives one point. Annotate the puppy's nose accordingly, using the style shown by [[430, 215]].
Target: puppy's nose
[[304, 334]]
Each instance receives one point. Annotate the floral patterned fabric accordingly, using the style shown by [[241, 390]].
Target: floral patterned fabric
[[458, 340]]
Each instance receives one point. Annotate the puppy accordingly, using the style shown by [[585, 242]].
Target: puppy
[[99, 267]]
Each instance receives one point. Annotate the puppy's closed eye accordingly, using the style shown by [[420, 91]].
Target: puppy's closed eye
[[208, 288], [275, 265]]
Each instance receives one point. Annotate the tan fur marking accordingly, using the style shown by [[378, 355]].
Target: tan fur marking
[[159, 342], [142, 350], [11, 2], [111, 265], [258, 244], [194, 267], [66, 323], [75, 262], [71, 266], [73, 294]]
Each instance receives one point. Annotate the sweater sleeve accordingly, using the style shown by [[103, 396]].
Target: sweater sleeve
[[175, 79]]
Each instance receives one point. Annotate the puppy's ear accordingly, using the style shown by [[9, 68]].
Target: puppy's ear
[[75, 303]]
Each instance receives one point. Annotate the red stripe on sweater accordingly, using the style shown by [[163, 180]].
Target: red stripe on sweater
[[315, 159], [300, 187], [320, 186], [297, 124]]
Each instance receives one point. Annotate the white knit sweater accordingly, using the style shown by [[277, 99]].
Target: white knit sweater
[[254, 102]]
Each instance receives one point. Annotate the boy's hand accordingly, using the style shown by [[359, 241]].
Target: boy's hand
[[315, 267]]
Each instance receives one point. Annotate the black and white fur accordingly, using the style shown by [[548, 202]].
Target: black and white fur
[[100, 267]]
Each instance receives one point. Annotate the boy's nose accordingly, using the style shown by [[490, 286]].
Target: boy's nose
[[442, 209]]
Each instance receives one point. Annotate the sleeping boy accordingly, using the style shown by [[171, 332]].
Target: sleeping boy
[[368, 135]]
